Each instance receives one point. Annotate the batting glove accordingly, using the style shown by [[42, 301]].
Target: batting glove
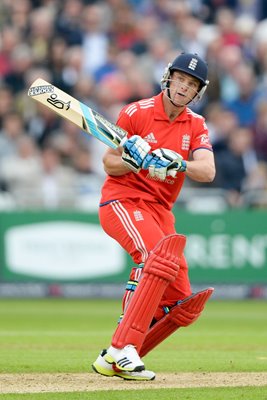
[[135, 151], [165, 162]]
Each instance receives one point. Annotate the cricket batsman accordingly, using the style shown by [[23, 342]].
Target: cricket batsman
[[167, 141]]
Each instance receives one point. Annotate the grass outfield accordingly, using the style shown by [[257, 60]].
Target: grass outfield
[[59, 336]]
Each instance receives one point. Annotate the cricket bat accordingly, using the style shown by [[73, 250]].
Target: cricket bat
[[77, 112]]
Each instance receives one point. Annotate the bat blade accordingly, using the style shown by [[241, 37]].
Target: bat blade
[[77, 112]]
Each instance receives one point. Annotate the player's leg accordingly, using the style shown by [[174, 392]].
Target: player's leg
[[160, 269], [178, 291], [130, 225]]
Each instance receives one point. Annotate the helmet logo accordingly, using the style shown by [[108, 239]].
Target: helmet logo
[[193, 64]]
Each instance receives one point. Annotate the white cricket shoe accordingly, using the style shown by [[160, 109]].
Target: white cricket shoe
[[104, 368], [126, 359]]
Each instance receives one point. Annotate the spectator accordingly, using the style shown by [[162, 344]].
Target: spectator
[[245, 104], [21, 61], [211, 7], [56, 185], [21, 171], [12, 130], [154, 60], [73, 66], [42, 124], [221, 124], [19, 11], [68, 23], [113, 52], [225, 21], [41, 32], [228, 61], [95, 40], [67, 139], [235, 164], [123, 30], [7, 101], [56, 62], [254, 191], [110, 65], [245, 26], [260, 131], [10, 39], [189, 28]]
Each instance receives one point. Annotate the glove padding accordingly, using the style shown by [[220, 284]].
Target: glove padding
[[163, 162], [135, 151]]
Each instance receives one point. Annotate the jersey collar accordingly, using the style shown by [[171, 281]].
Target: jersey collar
[[160, 114]]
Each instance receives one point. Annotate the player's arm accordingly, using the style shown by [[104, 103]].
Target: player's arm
[[113, 164], [202, 166], [163, 162]]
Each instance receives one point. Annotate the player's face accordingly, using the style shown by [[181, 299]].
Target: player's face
[[183, 88]]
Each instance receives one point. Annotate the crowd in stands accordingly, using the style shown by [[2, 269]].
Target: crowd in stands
[[109, 53]]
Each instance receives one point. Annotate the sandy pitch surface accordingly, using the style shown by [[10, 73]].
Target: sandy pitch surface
[[80, 382]]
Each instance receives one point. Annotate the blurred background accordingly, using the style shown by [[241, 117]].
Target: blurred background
[[107, 54]]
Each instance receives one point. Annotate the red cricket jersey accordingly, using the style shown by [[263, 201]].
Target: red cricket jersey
[[147, 118]]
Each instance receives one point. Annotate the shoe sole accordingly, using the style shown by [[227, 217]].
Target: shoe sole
[[102, 371], [134, 378]]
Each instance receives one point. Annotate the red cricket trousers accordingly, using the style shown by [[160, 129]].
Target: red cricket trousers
[[138, 226]]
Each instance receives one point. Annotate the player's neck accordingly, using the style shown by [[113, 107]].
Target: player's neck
[[171, 110], [174, 113]]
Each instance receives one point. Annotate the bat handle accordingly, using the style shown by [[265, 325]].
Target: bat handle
[[123, 140]]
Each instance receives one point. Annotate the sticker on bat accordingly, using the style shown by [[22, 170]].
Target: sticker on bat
[[36, 90], [107, 124], [60, 104]]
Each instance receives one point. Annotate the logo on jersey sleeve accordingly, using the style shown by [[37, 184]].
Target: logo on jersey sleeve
[[204, 139], [185, 142]]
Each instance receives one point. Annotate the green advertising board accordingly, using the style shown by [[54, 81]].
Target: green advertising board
[[58, 247], [64, 247], [230, 247]]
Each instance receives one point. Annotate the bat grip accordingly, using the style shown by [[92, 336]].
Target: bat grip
[[123, 140]]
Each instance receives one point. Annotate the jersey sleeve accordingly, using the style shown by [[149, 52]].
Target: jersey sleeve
[[200, 139]]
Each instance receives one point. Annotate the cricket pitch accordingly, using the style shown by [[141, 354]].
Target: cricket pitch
[[76, 382]]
